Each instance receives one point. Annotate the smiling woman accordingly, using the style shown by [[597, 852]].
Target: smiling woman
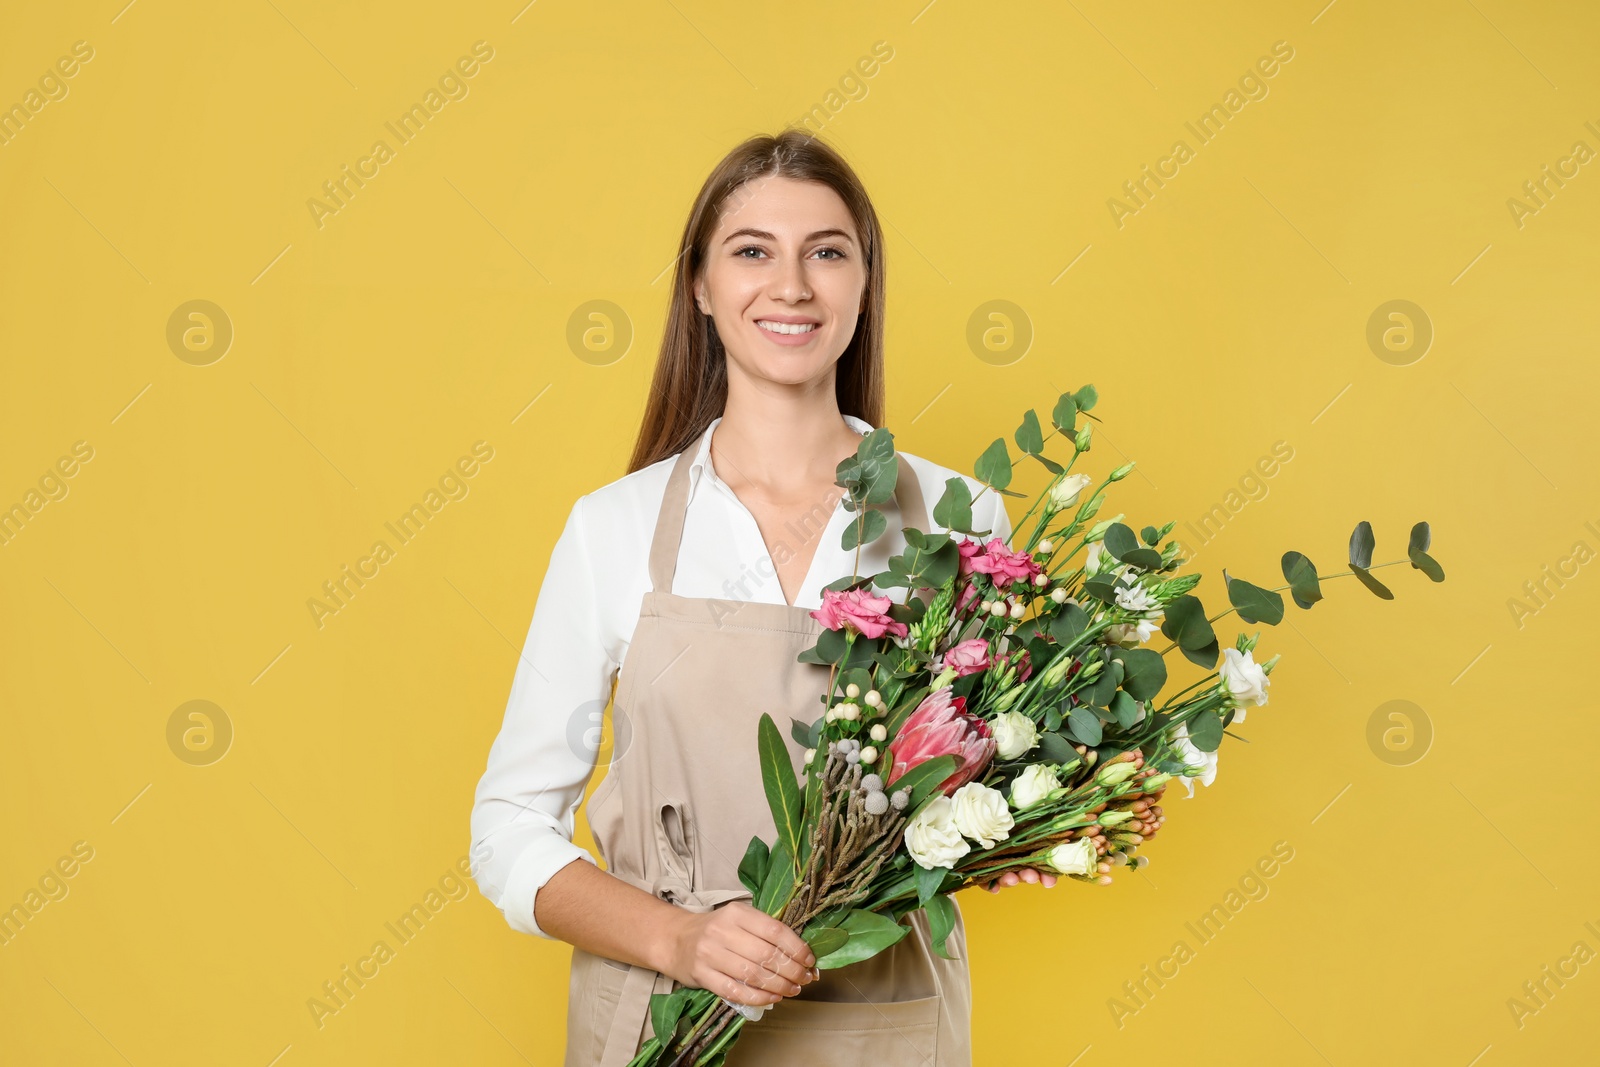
[[691, 585]]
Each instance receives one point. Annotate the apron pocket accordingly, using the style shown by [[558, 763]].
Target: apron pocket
[[885, 1033]]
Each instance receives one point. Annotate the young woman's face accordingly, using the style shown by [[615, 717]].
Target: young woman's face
[[785, 256]]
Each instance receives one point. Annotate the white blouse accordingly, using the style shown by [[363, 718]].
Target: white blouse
[[583, 621]]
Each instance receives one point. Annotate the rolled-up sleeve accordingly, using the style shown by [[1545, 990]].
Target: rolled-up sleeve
[[541, 761]]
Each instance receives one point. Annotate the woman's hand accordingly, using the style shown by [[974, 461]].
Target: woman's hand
[[742, 953], [1022, 874]]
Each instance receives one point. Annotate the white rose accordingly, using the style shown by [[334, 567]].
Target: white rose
[[1242, 679], [1014, 734], [932, 837], [1064, 493], [1033, 785], [981, 814], [1073, 857], [1193, 757]]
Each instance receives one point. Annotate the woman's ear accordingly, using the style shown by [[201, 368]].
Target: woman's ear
[[700, 298]]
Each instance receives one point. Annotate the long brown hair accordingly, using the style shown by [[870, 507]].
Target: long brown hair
[[690, 386]]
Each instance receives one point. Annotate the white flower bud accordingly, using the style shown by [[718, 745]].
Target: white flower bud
[[1046, 547], [873, 698], [869, 754], [1041, 580], [997, 608], [1058, 594], [1018, 610], [811, 755], [852, 690], [879, 732]]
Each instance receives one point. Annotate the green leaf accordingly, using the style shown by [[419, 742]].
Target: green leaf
[[929, 879], [1378, 588], [1361, 545], [920, 780], [1186, 623], [1146, 559], [1254, 603], [1065, 416], [1205, 656], [666, 1009], [994, 466], [1083, 726], [1205, 730], [1029, 437], [941, 922], [1301, 575], [1150, 536], [868, 527], [804, 733], [1144, 672], [1049, 464], [826, 940], [1054, 748], [753, 868], [1119, 540], [1068, 623], [1086, 397], [870, 933], [1421, 537], [778, 777], [954, 509], [1125, 708], [779, 885]]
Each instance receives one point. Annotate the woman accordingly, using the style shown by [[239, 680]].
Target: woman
[[690, 583]]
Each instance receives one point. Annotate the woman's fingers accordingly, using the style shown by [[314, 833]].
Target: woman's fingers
[[1022, 874]]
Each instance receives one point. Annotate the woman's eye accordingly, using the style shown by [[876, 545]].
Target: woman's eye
[[746, 248], [835, 251]]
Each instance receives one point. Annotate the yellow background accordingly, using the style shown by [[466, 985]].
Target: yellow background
[[432, 311]]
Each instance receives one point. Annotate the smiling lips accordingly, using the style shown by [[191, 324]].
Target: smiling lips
[[786, 328]]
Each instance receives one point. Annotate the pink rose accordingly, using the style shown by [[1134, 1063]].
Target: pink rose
[[1002, 565], [968, 657], [860, 611]]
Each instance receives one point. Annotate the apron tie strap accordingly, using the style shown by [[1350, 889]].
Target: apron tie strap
[[674, 884]]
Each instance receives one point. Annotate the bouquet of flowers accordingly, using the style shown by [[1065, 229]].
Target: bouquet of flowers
[[1006, 715]]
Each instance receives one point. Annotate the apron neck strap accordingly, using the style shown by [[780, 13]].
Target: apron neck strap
[[675, 504]]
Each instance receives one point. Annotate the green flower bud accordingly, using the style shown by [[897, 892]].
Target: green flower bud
[[1081, 442], [1116, 817], [1155, 782], [1116, 773], [937, 618], [1122, 472], [1098, 531]]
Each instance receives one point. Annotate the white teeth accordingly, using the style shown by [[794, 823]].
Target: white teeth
[[786, 327]]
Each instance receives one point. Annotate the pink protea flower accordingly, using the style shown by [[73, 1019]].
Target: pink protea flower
[[993, 558], [860, 611], [968, 657], [941, 726]]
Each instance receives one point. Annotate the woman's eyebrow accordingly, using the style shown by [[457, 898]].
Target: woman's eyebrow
[[765, 236]]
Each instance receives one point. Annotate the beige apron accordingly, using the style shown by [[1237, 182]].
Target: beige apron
[[682, 798]]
